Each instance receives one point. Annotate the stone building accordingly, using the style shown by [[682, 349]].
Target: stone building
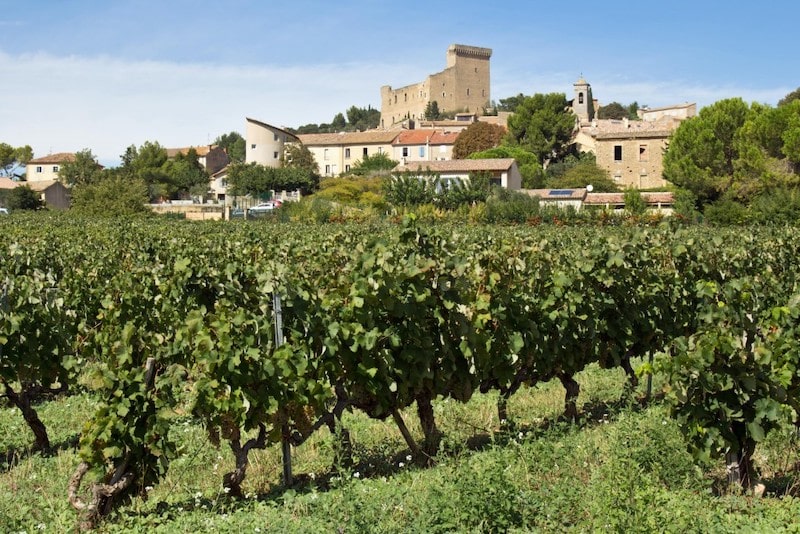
[[462, 86], [632, 151]]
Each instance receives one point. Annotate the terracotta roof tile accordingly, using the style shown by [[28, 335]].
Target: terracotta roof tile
[[8, 183], [60, 157], [658, 197], [422, 137], [458, 165], [371, 137], [201, 150]]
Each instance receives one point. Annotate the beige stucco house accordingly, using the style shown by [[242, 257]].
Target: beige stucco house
[[265, 143], [47, 167], [462, 86], [337, 153], [423, 145], [502, 171]]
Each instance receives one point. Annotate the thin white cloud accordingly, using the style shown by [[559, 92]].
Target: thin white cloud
[[70, 103]]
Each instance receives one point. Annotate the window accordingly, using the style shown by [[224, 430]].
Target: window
[[325, 154], [467, 91], [327, 170], [38, 169], [276, 137], [617, 152], [366, 151], [55, 168], [580, 98], [380, 150], [483, 92], [347, 168], [395, 99], [253, 146], [642, 152], [405, 151], [422, 151], [405, 97], [347, 153], [275, 155]]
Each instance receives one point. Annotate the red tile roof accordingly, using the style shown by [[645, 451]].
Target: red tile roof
[[8, 183], [201, 150], [662, 197], [458, 165], [425, 137], [372, 137], [60, 157]]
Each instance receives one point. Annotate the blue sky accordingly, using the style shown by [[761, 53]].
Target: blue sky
[[107, 74]]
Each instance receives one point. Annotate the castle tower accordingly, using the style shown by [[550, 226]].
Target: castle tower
[[462, 86], [583, 103]]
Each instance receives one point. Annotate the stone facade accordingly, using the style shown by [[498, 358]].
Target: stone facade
[[462, 86], [632, 151]]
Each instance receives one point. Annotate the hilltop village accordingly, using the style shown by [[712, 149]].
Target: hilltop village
[[629, 150]]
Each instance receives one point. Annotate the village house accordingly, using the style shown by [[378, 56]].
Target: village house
[[502, 171], [264, 143], [337, 153], [582, 197], [52, 193], [631, 151], [211, 157], [423, 145], [46, 168]]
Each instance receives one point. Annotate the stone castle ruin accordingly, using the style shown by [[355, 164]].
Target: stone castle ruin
[[461, 87]]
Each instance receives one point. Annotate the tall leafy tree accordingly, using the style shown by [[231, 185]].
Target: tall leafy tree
[[12, 158], [511, 103], [112, 194], [432, 112], [298, 156], [542, 124], [614, 110], [529, 166], [702, 151], [23, 198], [83, 170], [259, 180], [185, 175], [789, 98], [234, 145], [339, 123], [477, 137], [376, 164]]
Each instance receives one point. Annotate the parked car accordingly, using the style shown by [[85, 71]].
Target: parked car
[[3, 211], [265, 207]]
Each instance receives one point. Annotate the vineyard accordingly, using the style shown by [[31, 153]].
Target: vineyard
[[266, 335]]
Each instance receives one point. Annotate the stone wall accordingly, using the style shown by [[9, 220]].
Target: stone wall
[[462, 86]]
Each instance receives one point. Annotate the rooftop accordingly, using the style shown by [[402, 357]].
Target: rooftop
[[59, 157], [349, 138], [458, 165]]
